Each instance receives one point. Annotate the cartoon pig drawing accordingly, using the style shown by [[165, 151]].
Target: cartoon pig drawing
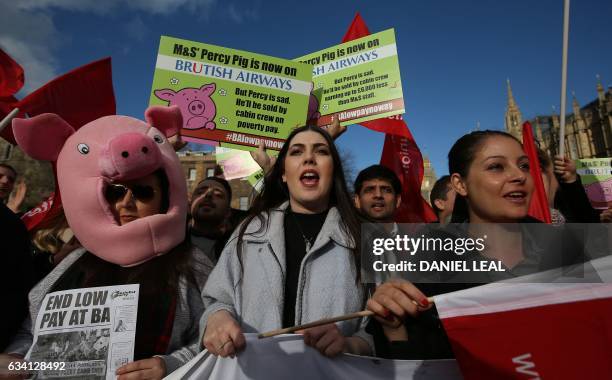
[[313, 113], [600, 193], [107, 150], [196, 105]]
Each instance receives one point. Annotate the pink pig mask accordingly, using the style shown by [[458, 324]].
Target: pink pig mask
[[112, 149]]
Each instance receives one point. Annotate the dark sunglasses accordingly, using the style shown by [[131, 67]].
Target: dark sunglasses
[[115, 192]]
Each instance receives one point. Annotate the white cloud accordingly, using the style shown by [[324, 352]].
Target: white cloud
[[30, 40], [137, 29], [239, 15], [29, 35], [104, 6]]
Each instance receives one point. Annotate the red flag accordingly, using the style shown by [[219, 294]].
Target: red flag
[[534, 329], [356, 30], [11, 75], [79, 96], [402, 155], [399, 143], [11, 81], [539, 203], [45, 210]]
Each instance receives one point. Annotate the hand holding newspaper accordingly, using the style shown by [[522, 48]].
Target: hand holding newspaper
[[85, 333]]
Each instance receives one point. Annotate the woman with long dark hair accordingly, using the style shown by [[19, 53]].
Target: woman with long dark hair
[[295, 258], [490, 174]]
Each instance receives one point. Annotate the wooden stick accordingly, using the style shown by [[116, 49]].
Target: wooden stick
[[566, 16], [325, 321], [320, 322]]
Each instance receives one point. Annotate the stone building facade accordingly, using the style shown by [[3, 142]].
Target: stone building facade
[[588, 129], [199, 165], [429, 178]]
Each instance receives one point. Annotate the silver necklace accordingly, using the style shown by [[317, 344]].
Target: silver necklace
[[307, 242]]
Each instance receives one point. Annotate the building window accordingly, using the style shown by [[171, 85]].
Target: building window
[[244, 203], [210, 172], [192, 174]]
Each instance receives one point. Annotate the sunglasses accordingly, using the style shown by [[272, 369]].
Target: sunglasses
[[115, 192]]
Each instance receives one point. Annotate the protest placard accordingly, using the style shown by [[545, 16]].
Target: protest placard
[[228, 97], [257, 180], [596, 176], [359, 80], [235, 163], [86, 333]]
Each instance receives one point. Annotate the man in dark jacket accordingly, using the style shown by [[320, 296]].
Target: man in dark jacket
[[15, 276]]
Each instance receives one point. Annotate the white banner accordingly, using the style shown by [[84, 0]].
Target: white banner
[[287, 357]]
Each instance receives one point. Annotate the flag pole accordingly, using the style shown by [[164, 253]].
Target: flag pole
[[7, 120], [564, 77]]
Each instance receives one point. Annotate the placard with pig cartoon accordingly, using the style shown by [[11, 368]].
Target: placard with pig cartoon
[[231, 98], [358, 80], [596, 177]]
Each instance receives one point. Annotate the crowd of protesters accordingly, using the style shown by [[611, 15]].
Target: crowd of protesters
[[293, 258]]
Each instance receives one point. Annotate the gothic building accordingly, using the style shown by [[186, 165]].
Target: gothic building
[[429, 178], [513, 122], [588, 129]]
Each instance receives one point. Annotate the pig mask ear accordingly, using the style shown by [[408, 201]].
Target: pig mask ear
[[42, 137], [167, 119], [208, 89]]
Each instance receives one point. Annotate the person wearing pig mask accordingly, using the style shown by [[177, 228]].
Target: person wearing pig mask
[[125, 199]]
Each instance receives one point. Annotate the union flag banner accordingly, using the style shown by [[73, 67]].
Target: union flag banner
[[533, 329]]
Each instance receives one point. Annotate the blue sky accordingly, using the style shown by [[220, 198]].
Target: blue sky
[[455, 56]]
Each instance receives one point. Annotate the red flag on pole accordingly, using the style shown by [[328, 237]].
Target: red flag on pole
[[400, 152], [11, 75], [11, 81], [539, 203], [79, 96], [356, 30]]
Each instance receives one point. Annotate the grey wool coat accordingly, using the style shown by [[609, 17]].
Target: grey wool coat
[[184, 342], [251, 288]]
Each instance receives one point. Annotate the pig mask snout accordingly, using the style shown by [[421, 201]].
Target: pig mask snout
[[129, 156]]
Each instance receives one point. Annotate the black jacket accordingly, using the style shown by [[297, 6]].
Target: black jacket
[[572, 201], [16, 274]]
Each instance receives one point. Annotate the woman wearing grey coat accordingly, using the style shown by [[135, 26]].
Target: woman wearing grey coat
[[294, 259]]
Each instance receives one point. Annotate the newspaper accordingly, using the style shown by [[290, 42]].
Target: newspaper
[[90, 331]]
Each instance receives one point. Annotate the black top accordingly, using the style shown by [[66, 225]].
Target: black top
[[298, 228], [15, 275], [572, 200]]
